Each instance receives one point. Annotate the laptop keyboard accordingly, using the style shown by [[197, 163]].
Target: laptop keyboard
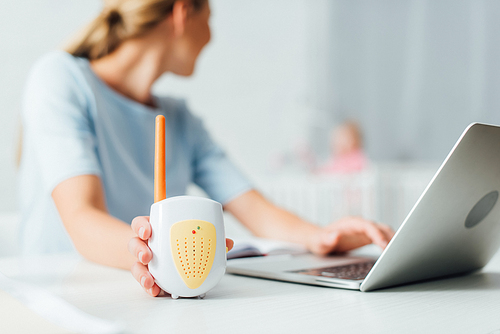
[[354, 271]]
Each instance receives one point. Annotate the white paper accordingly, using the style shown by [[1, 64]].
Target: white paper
[[254, 246]]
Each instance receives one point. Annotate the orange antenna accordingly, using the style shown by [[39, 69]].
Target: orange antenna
[[160, 170]]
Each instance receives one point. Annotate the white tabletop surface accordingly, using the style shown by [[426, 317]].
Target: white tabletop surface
[[467, 304]]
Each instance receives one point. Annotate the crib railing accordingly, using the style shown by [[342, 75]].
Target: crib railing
[[383, 193]]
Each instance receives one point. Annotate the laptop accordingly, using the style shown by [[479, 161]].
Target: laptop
[[454, 228]]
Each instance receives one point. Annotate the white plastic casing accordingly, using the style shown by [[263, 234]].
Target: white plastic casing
[[168, 212]]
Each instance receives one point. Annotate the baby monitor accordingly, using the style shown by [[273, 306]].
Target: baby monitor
[[188, 239]]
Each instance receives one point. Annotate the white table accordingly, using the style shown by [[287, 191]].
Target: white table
[[468, 304]]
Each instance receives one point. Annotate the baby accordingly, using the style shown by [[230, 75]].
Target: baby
[[347, 151]]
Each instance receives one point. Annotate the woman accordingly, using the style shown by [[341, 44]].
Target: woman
[[88, 120]]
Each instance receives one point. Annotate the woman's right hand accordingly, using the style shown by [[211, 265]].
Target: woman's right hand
[[139, 248]]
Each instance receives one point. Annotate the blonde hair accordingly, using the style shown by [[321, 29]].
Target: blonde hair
[[118, 21]]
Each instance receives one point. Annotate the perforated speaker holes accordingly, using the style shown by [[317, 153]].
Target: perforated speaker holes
[[193, 264]]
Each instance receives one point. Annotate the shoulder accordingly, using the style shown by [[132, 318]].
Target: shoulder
[[55, 64], [56, 70], [57, 73], [54, 57], [55, 82]]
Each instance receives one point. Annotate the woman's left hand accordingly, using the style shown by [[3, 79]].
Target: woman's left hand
[[347, 234]]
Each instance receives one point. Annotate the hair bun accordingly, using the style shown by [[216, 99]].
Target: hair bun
[[114, 17]]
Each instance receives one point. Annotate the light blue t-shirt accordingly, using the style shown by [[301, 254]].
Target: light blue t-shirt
[[74, 124]]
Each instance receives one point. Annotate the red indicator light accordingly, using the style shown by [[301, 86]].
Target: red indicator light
[[194, 232]]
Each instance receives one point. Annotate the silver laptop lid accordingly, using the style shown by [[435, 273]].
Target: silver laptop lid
[[455, 225]]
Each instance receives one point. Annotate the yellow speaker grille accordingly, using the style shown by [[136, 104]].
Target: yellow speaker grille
[[193, 245]]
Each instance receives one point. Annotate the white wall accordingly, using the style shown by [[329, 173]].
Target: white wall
[[250, 84], [415, 73]]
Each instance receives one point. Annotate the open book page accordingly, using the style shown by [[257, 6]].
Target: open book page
[[253, 246]]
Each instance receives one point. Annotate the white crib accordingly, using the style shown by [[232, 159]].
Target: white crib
[[383, 193]]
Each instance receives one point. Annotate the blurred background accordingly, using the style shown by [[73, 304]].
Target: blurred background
[[280, 76]]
